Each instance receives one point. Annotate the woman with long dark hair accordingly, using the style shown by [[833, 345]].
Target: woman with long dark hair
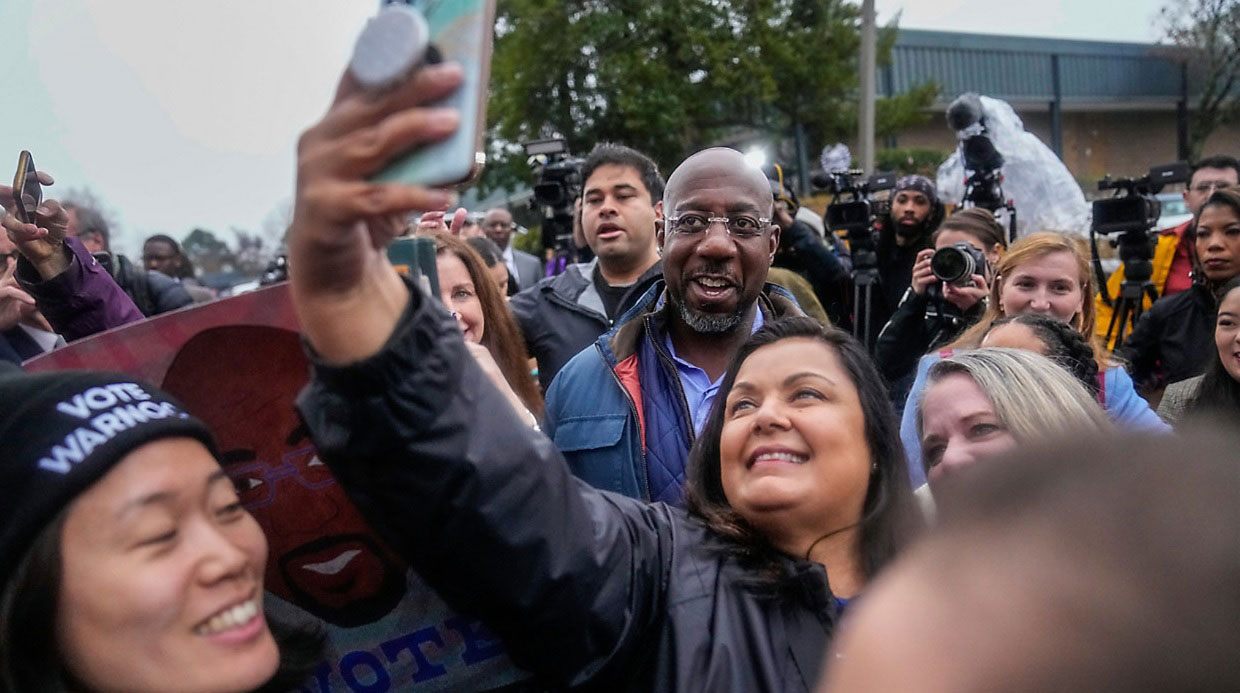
[[864, 526], [471, 294], [1217, 391], [1171, 341]]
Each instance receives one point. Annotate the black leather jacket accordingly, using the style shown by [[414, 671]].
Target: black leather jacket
[[1173, 340], [584, 586], [918, 327], [561, 315]]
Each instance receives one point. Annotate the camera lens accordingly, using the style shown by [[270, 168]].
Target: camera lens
[[952, 265]]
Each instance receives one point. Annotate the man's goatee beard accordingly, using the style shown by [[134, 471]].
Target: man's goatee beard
[[711, 323]]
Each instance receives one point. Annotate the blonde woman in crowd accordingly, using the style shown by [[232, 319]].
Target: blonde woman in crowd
[[1046, 273]]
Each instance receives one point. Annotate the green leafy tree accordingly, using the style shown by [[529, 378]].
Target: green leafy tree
[[673, 76], [208, 253], [1205, 35]]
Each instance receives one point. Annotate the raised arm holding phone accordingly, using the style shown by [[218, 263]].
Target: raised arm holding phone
[[73, 291], [582, 586]]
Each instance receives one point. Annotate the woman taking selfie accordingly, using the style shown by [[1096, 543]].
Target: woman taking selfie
[[587, 587], [1045, 273], [127, 562], [797, 494], [1217, 391]]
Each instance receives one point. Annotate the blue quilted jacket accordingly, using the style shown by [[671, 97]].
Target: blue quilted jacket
[[617, 410]]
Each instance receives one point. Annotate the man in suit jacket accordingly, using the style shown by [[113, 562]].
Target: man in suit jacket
[[525, 268]]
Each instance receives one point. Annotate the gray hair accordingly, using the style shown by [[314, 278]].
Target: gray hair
[[1034, 397]]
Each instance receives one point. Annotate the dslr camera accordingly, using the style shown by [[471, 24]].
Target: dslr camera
[[957, 263]]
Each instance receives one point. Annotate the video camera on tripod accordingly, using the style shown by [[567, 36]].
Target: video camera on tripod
[[982, 161], [1130, 215], [852, 212], [557, 187]]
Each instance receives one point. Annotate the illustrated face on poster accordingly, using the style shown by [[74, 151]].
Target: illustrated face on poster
[[323, 557]]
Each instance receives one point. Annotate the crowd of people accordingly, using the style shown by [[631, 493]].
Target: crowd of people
[[670, 467]]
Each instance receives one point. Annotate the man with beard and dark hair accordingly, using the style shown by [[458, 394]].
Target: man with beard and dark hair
[[626, 412], [916, 213]]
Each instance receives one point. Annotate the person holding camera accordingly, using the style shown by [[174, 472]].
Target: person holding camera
[[1046, 273], [1172, 340], [947, 293], [916, 213]]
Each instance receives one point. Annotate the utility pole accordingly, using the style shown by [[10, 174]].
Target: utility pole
[[865, 110]]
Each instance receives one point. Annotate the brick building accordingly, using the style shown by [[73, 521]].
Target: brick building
[[1102, 106]]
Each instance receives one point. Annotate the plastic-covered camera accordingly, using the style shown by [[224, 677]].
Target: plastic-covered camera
[[957, 263]]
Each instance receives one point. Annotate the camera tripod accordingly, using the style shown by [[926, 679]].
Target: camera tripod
[[1129, 306], [865, 278], [1136, 251]]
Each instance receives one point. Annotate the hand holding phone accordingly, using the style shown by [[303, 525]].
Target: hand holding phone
[[407, 34], [347, 294], [36, 225], [27, 194]]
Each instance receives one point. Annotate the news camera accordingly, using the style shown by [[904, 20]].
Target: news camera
[[557, 186], [982, 161], [1130, 215], [852, 211]]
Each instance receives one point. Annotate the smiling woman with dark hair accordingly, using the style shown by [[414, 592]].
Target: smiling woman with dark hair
[[832, 409], [586, 587], [1217, 391]]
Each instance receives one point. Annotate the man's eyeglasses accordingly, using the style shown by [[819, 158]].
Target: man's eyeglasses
[[740, 227], [1206, 186]]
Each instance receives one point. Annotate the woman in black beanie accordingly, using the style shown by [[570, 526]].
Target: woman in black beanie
[[126, 559]]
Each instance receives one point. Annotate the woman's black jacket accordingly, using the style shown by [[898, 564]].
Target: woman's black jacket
[[920, 325], [1173, 340], [583, 586]]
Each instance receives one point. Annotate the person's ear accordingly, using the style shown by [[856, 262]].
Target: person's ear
[[774, 242]]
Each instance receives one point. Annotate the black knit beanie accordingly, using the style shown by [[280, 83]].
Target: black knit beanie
[[60, 432]]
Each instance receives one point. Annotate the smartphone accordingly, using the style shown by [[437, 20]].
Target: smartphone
[[460, 31], [415, 257], [27, 193]]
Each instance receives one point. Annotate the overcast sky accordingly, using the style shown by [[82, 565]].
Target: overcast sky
[[184, 113]]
